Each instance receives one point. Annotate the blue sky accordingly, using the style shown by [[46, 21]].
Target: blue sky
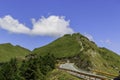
[[97, 19]]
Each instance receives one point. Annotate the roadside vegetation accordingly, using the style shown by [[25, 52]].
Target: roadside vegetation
[[33, 67]]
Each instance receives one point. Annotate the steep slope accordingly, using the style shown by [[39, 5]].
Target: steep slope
[[65, 46], [83, 52], [8, 51]]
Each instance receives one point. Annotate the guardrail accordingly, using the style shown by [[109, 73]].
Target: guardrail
[[86, 76], [72, 69]]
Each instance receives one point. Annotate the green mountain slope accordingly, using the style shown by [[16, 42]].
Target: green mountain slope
[[67, 46], [83, 52], [63, 47], [8, 51], [60, 75]]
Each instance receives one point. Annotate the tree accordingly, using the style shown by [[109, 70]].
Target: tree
[[34, 67], [9, 70], [30, 69]]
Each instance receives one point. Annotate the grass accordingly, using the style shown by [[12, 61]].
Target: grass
[[91, 57], [8, 51], [69, 47], [57, 74], [65, 46]]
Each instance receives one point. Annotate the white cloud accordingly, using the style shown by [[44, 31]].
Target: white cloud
[[90, 37], [107, 41], [51, 26], [13, 25]]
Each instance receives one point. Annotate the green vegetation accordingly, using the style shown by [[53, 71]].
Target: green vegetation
[[39, 65], [60, 75], [34, 67], [83, 52], [65, 46], [8, 51], [111, 60]]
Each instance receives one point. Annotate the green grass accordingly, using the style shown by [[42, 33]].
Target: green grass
[[60, 75], [91, 57], [111, 60], [8, 51], [65, 46], [69, 47]]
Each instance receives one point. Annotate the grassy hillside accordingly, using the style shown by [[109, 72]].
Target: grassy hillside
[[8, 51], [76, 48], [65, 46], [60, 75], [83, 52], [111, 60]]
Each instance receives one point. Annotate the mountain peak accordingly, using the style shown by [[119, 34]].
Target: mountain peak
[[83, 52]]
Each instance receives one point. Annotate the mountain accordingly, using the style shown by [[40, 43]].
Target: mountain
[[8, 51], [83, 52]]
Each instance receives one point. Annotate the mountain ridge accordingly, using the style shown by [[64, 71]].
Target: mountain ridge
[[83, 52], [8, 51], [75, 47]]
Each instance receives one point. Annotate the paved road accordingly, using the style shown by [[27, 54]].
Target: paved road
[[72, 67]]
